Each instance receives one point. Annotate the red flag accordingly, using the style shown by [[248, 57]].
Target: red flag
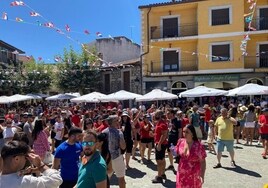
[[59, 31], [49, 24], [99, 34], [34, 14], [17, 3], [68, 29], [86, 32]]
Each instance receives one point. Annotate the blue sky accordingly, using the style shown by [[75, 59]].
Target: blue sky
[[115, 18]]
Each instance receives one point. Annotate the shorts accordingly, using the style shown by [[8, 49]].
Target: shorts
[[228, 143], [160, 155], [52, 134], [57, 143], [249, 124], [242, 123], [138, 137], [129, 146], [264, 136], [198, 132], [146, 140], [119, 166]]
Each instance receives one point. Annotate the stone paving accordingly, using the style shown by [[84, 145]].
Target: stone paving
[[251, 171]]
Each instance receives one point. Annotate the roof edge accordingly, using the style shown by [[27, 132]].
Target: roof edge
[[168, 3]]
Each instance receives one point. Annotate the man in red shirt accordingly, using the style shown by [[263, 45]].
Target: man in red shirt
[[161, 132], [207, 117], [76, 119], [263, 122]]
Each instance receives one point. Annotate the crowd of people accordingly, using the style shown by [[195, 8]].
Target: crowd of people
[[89, 145]]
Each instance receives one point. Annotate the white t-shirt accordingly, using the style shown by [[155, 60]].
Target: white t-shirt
[[58, 128], [9, 132]]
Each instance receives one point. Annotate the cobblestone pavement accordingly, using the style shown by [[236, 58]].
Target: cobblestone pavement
[[251, 171]]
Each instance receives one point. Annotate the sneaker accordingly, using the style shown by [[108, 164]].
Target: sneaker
[[217, 165], [164, 176], [170, 167], [157, 179], [233, 164]]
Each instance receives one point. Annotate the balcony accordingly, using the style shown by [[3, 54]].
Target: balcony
[[183, 67], [256, 62], [259, 23], [184, 30]]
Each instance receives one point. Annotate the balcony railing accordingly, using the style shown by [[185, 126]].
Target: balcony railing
[[260, 23], [183, 30], [183, 65], [256, 62]]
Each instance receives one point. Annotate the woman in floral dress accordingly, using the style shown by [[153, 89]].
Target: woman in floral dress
[[192, 164]]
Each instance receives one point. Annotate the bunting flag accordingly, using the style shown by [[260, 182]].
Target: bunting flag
[[57, 59], [34, 14], [99, 34], [248, 19], [49, 24], [59, 31], [38, 23], [40, 58], [86, 32], [68, 29], [110, 36], [4, 16], [19, 19], [17, 3]]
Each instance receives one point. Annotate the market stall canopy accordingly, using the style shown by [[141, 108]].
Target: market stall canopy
[[203, 91], [5, 100], [93, 97], [18, 98], [157, 95], [64, 96], [35, 96], [120, 96], [249, 89]]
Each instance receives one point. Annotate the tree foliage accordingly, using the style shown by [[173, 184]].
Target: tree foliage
[[78, 71]]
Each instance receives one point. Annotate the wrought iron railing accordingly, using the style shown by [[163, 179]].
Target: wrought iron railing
[[256, 61], [183, 30]]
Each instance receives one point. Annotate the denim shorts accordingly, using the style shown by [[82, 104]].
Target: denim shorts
[[228, 143]]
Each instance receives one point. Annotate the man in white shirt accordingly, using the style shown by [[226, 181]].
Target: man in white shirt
[[14, 155], [9, 130], [59, 130]]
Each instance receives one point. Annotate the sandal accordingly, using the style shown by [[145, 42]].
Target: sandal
[[217, 166]]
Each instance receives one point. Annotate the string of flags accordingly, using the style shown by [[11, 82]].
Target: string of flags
[[248, 19], [50, 25]]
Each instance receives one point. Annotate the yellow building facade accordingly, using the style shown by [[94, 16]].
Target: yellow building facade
[[198, 42]]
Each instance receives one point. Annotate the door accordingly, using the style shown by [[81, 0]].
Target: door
[[263, 55], [170, 28], [170, 61], [263, 18], [126, 81]]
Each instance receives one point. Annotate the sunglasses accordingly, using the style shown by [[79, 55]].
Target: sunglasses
[[84, 144]]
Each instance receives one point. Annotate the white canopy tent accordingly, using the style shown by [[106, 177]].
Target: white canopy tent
[[156, 95], [249, 89], [202, 91], [93, 97], [64, 96], [5, 100], [119, 96], [18, 98], [35, 96]]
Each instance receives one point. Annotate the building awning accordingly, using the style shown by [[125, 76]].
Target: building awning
[[218, 85]]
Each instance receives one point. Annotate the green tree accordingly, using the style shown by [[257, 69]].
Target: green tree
[[78, 72], [37, 77]]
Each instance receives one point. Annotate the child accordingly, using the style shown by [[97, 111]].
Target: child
[[211, 136]]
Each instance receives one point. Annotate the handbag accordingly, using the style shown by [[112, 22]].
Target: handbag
[[48, 158]]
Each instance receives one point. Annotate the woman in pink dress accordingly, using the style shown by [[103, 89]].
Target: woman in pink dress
[[192, 164], [40, 138]]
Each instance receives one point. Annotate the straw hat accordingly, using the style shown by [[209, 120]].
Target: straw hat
[[243, 108]]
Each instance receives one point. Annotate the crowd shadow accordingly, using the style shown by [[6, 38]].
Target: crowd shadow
[[241, 170], [168, 183], [135, 173], [151, 165]]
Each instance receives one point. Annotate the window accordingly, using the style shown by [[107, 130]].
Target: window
[[221, 52], [170, 61], [220, 16], [170, 27]]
